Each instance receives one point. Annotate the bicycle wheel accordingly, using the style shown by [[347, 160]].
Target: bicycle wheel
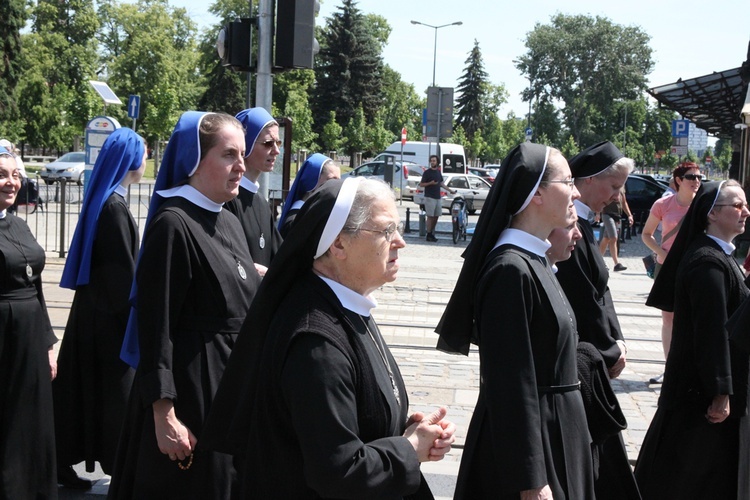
[[456, 231]]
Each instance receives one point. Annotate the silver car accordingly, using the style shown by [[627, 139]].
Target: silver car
[[69, 166], [472, 188]]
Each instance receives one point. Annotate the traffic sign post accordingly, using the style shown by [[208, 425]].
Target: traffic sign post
[[680, 128], [134, 108], [529, 133]]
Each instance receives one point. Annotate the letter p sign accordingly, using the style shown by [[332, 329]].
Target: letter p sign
[[680, 128]]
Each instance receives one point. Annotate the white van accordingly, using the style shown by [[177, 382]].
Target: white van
[[452, 156]]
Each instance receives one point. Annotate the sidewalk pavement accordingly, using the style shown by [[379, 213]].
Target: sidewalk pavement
[[408, 311]]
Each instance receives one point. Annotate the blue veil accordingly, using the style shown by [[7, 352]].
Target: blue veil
[[181, 159], [307, 178], [254, 120], [122, 152]]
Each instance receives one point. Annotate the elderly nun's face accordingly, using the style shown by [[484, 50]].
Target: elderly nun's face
[[10, 181], [372, 257], [727, 219], [219, 173]]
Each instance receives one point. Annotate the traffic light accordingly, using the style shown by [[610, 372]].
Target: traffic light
[[296, 45], [233, 44]]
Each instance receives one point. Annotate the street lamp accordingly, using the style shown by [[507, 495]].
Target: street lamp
[[434, 52]]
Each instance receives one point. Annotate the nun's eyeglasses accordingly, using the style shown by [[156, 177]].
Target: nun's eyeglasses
[[739, 205], [388, 231], [570, 182], [270, 143]]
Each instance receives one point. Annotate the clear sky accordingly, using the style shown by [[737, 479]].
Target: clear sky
[[688, 38]]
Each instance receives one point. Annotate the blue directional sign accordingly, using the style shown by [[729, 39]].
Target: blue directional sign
[[134, 106], [680, 128]]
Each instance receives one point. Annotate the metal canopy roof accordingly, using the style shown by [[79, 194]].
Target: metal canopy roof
[[713, 102]]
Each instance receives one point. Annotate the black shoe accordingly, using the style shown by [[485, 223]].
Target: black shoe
[[68, 478], [620, 267], [656, 380], [431, 237]]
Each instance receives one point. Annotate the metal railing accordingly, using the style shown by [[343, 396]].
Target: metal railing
[[53, 213]]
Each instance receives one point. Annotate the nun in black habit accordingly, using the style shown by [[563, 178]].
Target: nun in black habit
[[528, 435], [27, 359], [251, 208], [600, 172], [194, 284], [697, 445], [92, 385], [312, 402]]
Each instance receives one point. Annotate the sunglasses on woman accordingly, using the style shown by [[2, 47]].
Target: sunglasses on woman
[[693, 177]]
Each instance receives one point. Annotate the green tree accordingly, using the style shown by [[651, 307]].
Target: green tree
[[152, 51], [59, 58], [331, 137], [377, 136], [478, 146], [458, 137], [723, 156], [298, 110], [546, 122], [569, 148], [12, 21], [402, 107], [348, 68], [586, 63], [355, 133], [472, 92]]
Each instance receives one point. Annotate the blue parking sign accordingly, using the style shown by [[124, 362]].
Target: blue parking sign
[[134, 106], [680, 128]]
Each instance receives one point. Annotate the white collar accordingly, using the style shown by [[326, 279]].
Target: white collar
[[3, 213], [192, 195], [728, 248], [121, 190], [297, 204], [523, 240], [249, 185], [350, 299], [583, 210]]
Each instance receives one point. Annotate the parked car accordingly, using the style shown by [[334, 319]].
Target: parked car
[[641, 192], [69, 166], [472, 188], [488, 174], [414, 177], [405, 179]]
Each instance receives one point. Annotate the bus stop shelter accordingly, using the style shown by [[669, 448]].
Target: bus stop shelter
[[720, 104]]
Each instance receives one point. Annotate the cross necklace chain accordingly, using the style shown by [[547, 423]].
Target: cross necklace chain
[[381, 350]]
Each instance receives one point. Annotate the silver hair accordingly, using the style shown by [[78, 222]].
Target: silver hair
[[624, 165], [369, 192]]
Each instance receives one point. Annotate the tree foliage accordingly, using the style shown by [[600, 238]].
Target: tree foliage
[[586, 63], [152, 52], [11, 22], [472, 94], [348, 69]]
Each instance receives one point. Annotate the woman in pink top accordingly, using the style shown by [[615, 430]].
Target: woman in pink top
[[669, 211]]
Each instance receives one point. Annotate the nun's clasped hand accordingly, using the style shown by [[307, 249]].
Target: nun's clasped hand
[[431, 436]]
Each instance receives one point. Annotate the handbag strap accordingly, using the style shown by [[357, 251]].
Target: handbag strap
[[674, 230]]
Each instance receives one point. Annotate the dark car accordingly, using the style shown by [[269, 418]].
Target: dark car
[[487, 174], [641, 192]]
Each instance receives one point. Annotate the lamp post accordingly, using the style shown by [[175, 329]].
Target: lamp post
[[434, 51]]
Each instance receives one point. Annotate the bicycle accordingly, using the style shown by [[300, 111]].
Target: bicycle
[[460, 218]]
